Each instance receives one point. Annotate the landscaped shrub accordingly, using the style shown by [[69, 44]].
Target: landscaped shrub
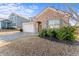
[[47, 33], [50, 32], [54, 33], [61, 34], [43, 33], [65, 33], [70, 32]]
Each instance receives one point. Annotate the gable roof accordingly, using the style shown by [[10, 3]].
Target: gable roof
[[19, 15], [53, 9]]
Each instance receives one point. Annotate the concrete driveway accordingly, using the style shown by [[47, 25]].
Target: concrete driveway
[[6, 37], [9, 36]]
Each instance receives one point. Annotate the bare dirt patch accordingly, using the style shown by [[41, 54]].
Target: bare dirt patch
[[35, 46]]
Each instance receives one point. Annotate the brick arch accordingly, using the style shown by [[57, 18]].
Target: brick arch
[[39, 26]]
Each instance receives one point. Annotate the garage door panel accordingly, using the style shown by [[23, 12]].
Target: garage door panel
[[28, 28]]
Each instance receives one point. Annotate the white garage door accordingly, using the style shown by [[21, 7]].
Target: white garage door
[[28, 27]]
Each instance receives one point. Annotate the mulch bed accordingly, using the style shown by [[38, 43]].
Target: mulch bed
[[62, 41]]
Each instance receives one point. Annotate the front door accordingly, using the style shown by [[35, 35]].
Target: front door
[[39, 26]]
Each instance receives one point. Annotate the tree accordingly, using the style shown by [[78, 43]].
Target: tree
[[72, 13]]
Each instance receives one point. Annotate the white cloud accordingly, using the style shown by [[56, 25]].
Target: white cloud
[[34, 7], [7, 8]]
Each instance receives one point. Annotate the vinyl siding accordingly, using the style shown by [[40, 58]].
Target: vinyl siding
[[0, 24], [17, 20]]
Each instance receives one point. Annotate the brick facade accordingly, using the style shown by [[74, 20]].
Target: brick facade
[[50, 14]]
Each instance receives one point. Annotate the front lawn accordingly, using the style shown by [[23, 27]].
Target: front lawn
[[36, 46]]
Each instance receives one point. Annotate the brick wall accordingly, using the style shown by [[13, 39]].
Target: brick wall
[[51, 14]]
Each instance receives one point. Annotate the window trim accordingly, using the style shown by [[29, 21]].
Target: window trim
[[53, 20]]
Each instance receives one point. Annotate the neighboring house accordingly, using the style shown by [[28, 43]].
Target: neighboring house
[[0, 25], [17, 20], [1, 19], [13, 21], [49, 18], [5, 24]]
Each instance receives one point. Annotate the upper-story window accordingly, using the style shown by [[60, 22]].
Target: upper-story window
[[55, 23]]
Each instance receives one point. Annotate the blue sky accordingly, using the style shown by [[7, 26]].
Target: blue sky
[[31, 9]]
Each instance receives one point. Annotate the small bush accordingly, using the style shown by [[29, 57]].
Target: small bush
[[47, 33], [21, 30], [43, 33], [54, 33], [50, 32], [70, 32], [61, 34], [66, 33]]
